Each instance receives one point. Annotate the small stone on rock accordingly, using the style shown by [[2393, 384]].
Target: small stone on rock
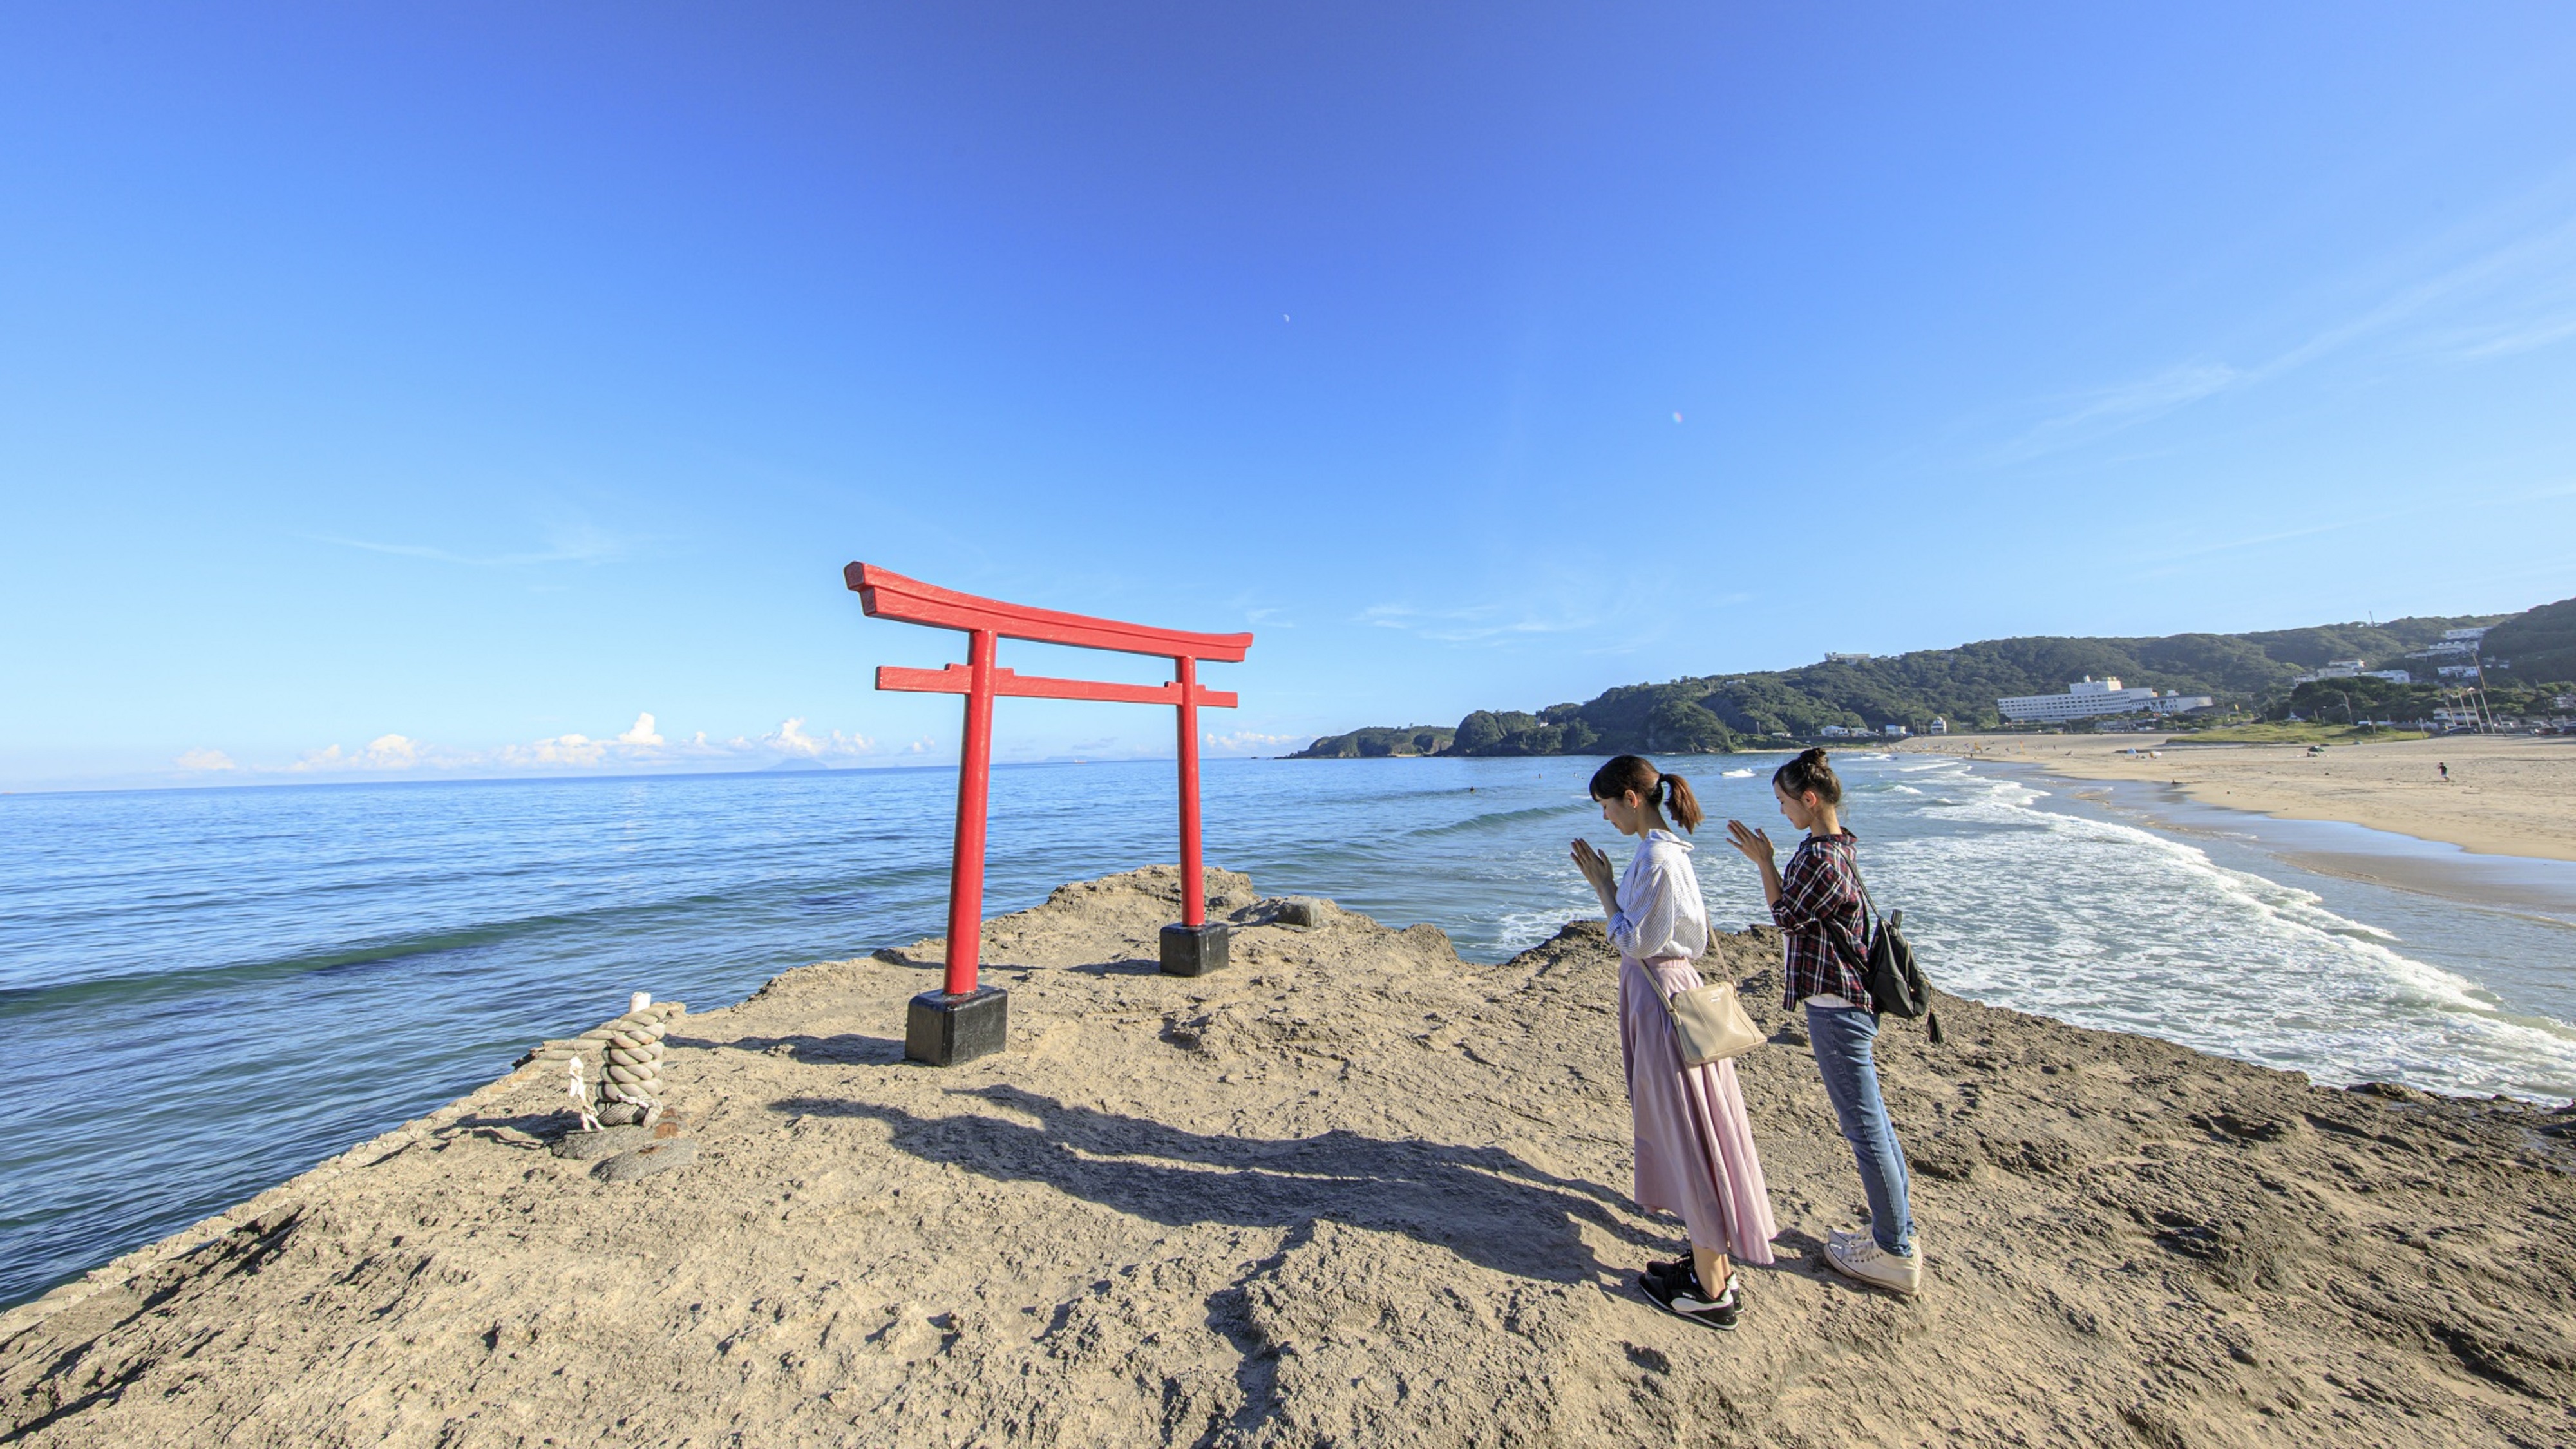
[[1299, 911]]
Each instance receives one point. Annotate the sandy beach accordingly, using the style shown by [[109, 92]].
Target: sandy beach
[[2507, 794], [1350, 1190]]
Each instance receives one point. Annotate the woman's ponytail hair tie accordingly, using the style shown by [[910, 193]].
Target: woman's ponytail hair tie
[[1653, 787]]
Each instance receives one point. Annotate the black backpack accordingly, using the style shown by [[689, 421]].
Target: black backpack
[[1896, 984]]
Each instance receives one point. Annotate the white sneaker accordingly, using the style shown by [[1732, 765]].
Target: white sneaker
[[1849, 1236], [1867, 1262]]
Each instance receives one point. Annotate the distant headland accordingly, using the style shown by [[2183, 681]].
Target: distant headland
[[2404, 669]]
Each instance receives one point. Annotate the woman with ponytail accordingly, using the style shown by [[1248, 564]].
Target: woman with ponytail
[[1817, 904], [1694, 1147]]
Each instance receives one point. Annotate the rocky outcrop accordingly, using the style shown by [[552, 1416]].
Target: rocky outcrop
[[1350, 1191]]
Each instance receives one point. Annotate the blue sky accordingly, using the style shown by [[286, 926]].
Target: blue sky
[[439, 390]]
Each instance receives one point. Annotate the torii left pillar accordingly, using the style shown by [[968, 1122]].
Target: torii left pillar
[[964, 1019]]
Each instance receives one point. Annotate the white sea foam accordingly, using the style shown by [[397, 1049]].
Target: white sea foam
[[1517, 931], [2107, 925]]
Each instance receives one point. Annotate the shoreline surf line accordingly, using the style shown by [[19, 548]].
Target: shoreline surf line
[[2505, 797], [2535, 887]]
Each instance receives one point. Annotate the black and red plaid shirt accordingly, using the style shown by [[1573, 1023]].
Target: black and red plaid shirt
[[1820, 917]]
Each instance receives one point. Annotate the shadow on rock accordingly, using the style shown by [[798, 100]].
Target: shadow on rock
[[846, 1049], [1256, 1370], [1124, 966], [1482, 1203], [517, 1129]]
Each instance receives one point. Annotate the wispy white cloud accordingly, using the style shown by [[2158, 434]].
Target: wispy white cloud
[[1580, 597], [2109, 410], [640, 745], [1252, 741], [791, 739], [573, 541], [2478, 345], [2452, 504], [571, 749], [2434, 315], [2537, 261], [1470, 624]]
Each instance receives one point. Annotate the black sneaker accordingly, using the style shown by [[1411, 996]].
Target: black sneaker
[[1678, 1270], [1683, 1297]]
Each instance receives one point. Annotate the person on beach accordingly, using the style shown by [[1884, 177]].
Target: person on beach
[[1694, 1145], [1817, 903]]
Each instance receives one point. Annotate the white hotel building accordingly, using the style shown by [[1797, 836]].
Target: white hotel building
[[2089, 698]]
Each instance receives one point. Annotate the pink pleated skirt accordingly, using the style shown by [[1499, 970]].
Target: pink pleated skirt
[[1695, 1155]]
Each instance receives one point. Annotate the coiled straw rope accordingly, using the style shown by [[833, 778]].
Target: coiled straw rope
[[628, 1056]]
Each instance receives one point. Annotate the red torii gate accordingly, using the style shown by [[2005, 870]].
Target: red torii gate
[[962, 1020]]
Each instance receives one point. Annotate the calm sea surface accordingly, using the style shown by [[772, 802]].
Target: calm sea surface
[[207, 991]]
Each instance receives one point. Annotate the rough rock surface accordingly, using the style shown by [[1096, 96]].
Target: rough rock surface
[[1348, 1192], [607, 1142]]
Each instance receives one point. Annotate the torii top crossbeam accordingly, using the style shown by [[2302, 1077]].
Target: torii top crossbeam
[[891, 596]]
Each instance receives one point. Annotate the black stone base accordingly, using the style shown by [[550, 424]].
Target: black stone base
[[1195, 950], [945, 1030]]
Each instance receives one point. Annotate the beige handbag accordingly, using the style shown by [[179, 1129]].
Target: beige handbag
[[1709, 1024]]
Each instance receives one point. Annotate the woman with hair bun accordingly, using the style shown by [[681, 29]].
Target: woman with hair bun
[[1825, 950], [1694, 1146]]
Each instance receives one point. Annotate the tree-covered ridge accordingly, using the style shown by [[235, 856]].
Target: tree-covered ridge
[[1379, 742], [2539, 644], [1713, 713]]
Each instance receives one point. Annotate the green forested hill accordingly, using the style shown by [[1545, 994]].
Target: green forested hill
[[1960, 685], [2538, 646]]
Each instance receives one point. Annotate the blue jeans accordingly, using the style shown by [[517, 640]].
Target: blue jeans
[[1843, 1038]]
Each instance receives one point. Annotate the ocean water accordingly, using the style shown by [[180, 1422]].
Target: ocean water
[[207, 991]]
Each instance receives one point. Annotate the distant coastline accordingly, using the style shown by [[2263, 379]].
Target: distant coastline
[[2523, 663]]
